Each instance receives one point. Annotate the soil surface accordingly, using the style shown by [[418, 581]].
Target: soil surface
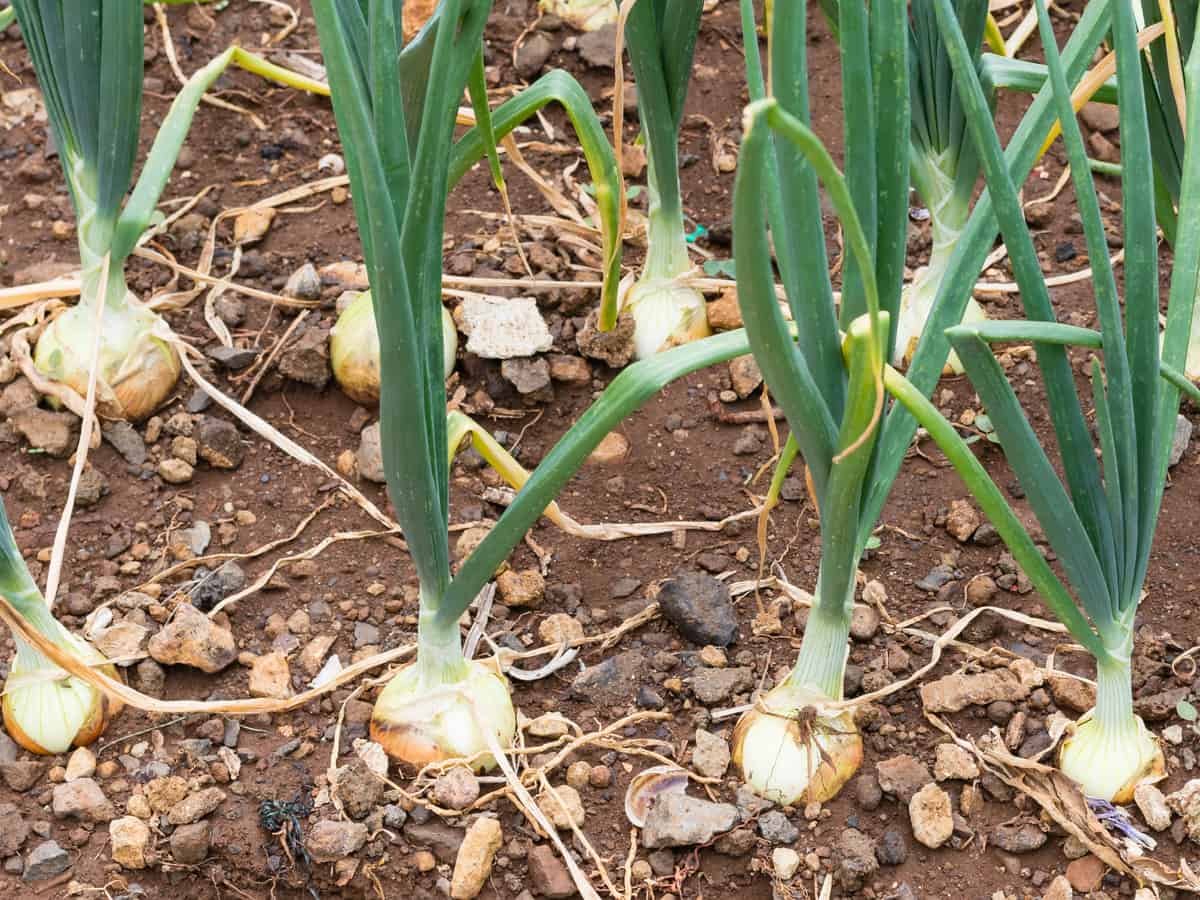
[[688, 458]]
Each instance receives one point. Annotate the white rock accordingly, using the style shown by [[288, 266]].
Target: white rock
[[931, 817], [82, 764], [475, 856], [503, 328], [785, 861], [1060, 889], [130, 839], [373, 755], [1153, 806], [954, 763]]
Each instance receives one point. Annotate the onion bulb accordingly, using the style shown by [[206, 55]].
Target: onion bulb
[[418, 725], [791, 750], [354, 349], [48, 711], [666, 313], [1108, 763], [138, 369]]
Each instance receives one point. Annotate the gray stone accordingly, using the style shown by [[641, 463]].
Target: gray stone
[[598, 48], [700, 607], [902, 776], [1180, 439], [711, 756], [527, 375], [613, 681], [306, 359], [189, 843], [712, 686], [219, 443], [53, 432], [304, 283], [233, 358], [14, 831], [892, 849], [359, 789], [82, 799], [855, 860], [125, 439], [8, 749], [330, 840], [440, 838], [533, 54], [365, 635], [777, 828], [370, 455], [1018, 837], [46, 860], [678, 820]]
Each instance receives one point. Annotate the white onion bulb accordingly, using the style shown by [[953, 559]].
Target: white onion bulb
[[791, 750], [418, 726], [1110, 765], [354, 349], [138, 370], [46, 710]]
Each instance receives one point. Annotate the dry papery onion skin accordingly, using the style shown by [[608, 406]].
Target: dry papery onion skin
[[790, 752], [416, 728]]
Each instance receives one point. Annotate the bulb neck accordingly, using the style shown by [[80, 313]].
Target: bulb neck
[[34, 611], [92, 280], [666, 243], [1114, 699], [823, 650], [440, 659]]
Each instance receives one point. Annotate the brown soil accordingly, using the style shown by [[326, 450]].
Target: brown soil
[[684, 474]]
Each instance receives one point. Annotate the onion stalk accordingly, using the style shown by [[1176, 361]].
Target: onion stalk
[[852, 446], [1101, 522], [666, 310], [400, 160], [46, 710], [944, 164], [91, 79]]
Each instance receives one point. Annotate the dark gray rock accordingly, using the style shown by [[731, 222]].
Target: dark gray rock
[[616, 680], [777, 828], [46, 860], [855, 860], [892, 849], [700, 607]]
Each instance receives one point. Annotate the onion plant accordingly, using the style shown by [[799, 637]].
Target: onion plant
[[354, 342], [399, 152], [45, 709], [944, 164], [1101, 522], [88, 59], [661, 36], [792, 747]]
